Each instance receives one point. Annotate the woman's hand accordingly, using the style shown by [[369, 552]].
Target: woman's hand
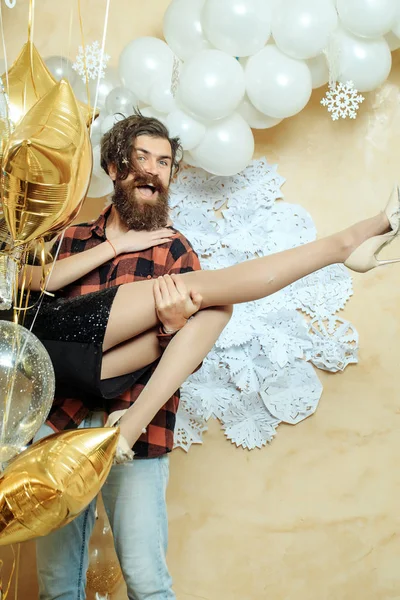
[[135, 241], [174, 303]]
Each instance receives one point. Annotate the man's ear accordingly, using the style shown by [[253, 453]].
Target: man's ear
[[112, 171]]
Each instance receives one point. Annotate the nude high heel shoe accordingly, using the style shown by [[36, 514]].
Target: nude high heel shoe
[[123, 453], [365, 257]]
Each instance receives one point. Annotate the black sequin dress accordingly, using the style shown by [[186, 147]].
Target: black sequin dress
[[72, 331]]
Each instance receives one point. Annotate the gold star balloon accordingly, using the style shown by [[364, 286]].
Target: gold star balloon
[[47, 167], [29, 80], [51, 482]]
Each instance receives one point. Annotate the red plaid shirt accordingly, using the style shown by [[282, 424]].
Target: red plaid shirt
[[176, 256]]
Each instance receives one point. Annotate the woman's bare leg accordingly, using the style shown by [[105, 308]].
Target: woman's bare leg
[[133, 310], [131, 355], [182, 356]]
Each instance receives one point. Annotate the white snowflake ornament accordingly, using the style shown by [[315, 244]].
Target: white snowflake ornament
[[342, 101], [90, 61]]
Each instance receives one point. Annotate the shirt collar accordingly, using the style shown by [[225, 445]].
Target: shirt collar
[[98, 226]]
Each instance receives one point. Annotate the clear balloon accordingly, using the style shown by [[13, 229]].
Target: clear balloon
[[105, 86], [276, 84], [104, 573], [121, 100], [319, 70], [189, 131], [255, 118], [368, 18], [161, 97], [237, 27], [211, 85], [227, 147], [365, 62], [61, 68], [183, 29], [301, 28], [142, 62], [8, 272], [26, 387]]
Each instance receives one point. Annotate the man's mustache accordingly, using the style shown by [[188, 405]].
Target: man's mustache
[[142, 179]]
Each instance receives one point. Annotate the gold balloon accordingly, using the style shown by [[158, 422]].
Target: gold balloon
[[29, 80], [104, 573], [51, 482], [47, 167]]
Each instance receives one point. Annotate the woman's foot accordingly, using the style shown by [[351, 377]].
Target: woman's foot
[[364, 240], [123, 453]]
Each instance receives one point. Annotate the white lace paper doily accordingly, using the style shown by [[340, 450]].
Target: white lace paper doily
[[259, 373]]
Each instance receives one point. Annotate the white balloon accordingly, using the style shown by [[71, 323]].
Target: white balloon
[[189, 160], [301, 28], [211, 84], [255, 118], [109, 121], [97, 170], [161, 97], [100, 187], [319, 70], [237, 27], [189, 131], [392, 40], [61, 68], [365, 62], [227, 147], [182, 28], [276, 84], [396, 26], [149, 111], [142, 62], [121, 100], [368, 18]]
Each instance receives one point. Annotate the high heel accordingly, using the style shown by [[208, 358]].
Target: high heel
[[365, 257], [123, 453]]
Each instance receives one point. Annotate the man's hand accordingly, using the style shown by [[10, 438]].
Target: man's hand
[[174, 303], [135, 241]]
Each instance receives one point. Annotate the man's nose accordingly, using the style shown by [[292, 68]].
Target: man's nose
[[152, 167]]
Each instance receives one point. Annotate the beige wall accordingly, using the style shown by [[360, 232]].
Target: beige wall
[[315, 515]]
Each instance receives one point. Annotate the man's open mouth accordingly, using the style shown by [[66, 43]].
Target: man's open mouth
[[147, 190]]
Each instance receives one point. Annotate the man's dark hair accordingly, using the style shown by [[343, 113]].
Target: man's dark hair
[[118, 143]]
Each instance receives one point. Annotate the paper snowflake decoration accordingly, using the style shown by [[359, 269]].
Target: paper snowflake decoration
[[95, 64], [342, 101]]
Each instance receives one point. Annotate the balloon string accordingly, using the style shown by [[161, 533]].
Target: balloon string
[[4, 51], [71, 19], [84, 54], [46, 283], [18, 560], [31, 23], [103, 43]]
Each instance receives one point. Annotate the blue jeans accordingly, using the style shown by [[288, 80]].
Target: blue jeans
[[134, 498]]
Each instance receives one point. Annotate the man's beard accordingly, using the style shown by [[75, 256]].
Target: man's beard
[[138, 214]]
